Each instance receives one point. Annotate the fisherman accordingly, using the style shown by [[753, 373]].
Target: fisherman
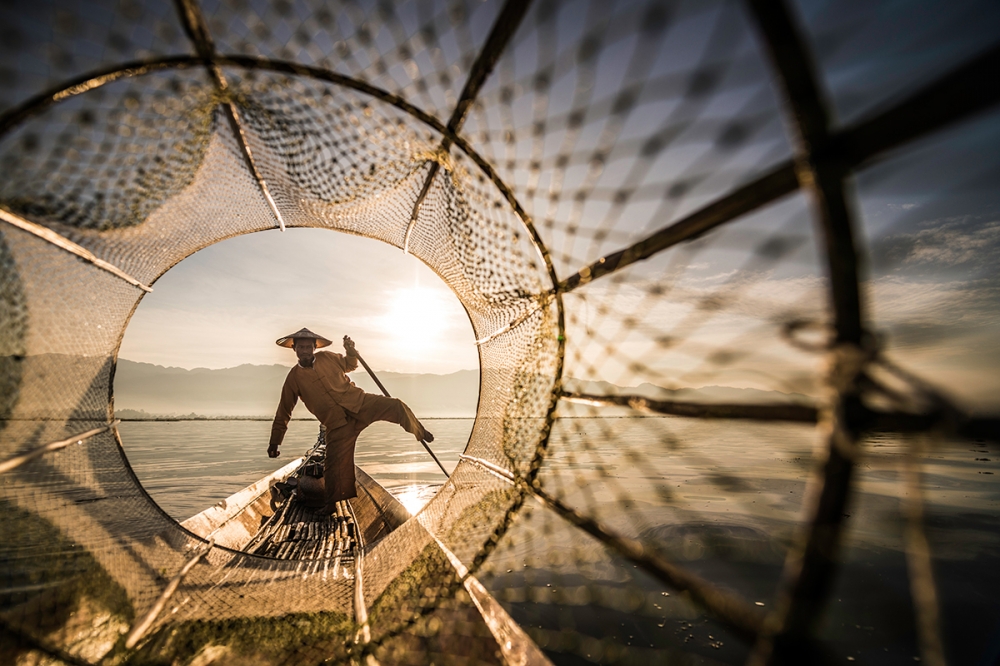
[[320, 379]]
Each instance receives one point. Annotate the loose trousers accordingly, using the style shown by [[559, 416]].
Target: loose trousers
[[338, 475]]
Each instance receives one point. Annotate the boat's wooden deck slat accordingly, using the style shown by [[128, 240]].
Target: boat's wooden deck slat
[[301, 534], [296, 532]]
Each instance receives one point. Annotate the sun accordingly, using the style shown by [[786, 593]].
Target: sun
[[419, 317]]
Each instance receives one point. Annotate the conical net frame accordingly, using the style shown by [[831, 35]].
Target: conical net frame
[[492, 143]]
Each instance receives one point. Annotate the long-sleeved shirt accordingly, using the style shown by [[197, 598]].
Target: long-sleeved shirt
[[325, 390]]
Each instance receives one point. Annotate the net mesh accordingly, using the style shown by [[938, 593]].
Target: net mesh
[[702, 432]]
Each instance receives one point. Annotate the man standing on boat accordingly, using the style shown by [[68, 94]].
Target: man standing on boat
[[320, 379]]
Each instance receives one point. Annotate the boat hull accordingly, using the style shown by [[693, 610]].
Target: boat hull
[[235, 521]]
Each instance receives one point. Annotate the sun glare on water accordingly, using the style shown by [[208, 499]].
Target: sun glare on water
[[413, 498]]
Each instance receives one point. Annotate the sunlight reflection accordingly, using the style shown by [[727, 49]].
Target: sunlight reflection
[[415, 497]]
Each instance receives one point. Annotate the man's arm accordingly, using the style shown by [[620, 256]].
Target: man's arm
[[281, 417]]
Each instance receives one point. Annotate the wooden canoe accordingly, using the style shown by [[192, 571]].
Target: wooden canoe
[[264, 522], [261, 520]]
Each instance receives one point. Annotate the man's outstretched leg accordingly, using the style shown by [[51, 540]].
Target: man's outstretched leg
[[380, 408]]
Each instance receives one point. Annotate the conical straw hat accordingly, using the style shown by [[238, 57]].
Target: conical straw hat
[[289, 340]]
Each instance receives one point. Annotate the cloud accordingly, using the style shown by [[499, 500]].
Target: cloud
[[966, 242], [225, 305]]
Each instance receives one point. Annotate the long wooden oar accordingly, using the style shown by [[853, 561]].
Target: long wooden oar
[[386, 394]]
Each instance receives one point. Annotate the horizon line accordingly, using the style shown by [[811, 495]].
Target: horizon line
[[268, 365]]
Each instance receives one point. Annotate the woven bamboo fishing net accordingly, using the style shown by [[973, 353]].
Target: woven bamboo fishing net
[[633, 201]]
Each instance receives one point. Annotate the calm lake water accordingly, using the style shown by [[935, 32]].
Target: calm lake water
[[725, 499], [187, 466]]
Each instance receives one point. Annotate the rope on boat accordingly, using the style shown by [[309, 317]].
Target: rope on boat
[[271, 526]]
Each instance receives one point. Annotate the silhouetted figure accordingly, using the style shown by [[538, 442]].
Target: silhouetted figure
[[320, 380]]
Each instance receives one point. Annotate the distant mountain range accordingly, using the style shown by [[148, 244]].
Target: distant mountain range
[[144, 390], [253, 390]]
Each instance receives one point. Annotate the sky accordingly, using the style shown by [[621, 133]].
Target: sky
[[928, 218], [227, 304]]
